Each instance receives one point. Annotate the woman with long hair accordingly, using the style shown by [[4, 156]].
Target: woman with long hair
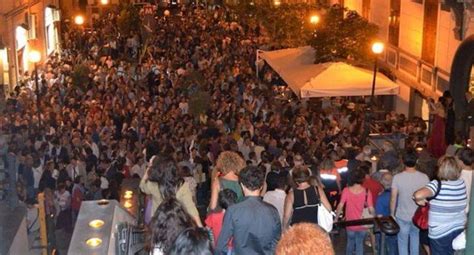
[[161, 182], [301, 203], [355, 198], [192, 241], [169, 220]]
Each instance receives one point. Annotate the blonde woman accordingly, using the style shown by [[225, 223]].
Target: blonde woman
[[447, 215], [226, 176]]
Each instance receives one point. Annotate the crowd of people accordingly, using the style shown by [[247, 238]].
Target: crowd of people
[[260, 167]]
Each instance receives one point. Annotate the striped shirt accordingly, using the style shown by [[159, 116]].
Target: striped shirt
[[447, 209]]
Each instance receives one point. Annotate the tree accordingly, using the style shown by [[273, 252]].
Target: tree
[[199, 97], [80, 76], [286, 25], [340, 38], [129, 19]]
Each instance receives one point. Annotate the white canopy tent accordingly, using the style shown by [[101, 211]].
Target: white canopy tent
[[296, 67]]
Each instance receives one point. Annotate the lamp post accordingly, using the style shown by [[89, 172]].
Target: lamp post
[[377, 48], [104, 2], [35, 57]]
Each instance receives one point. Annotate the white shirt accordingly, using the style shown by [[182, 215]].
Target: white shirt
[[276, 198]]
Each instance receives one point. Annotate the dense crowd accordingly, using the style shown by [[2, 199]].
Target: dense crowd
[[132, 117]]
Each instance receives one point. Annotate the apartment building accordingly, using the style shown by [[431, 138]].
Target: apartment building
[[26, 25], [422, 37]]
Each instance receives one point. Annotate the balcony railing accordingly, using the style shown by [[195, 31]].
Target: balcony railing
[[428, 79]]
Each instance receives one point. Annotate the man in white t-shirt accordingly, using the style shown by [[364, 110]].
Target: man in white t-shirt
[[402, 206], [277, 197]]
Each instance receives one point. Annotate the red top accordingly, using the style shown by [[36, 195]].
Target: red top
[[355, 205], [374, 186], [214, 222]]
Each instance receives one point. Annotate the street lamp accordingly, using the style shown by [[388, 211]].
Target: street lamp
[[277, 3], [34, 57], [377, 49], [79, 20], [104, 2], [314, 19]]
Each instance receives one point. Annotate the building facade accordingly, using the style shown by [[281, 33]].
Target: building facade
[[421, 38], [26, 25]]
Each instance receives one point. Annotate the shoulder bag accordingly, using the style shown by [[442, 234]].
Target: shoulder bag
[[420, 218], [365, 212], [325, 217]]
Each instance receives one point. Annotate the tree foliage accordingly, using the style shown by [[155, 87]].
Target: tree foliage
[[286, 25], [199, 97], [129, 19], [343, 36], [80, 76]]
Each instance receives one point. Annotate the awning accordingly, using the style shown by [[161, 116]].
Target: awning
[[296, 67]]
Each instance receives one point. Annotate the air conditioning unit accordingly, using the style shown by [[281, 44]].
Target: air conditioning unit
[[33, 18]]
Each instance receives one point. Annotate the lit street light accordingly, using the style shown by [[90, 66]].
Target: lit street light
[[104, 2], [79, 20], [377, 49], [277, 3], [314, 19], [34, 57]]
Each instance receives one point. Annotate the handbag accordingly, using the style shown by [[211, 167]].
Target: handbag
[[420, 218], [325, 217], [365, 212]]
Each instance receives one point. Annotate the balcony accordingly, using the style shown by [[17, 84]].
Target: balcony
[[429, 80]]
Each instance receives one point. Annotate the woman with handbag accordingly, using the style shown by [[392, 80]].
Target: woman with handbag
[[446, 215], [359, 204], [302, 202]]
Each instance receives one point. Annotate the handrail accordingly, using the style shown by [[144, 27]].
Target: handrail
[[386, 225], [421, 61]]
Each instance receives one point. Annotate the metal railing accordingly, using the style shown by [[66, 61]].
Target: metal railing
[[383, 225], [430, 80]]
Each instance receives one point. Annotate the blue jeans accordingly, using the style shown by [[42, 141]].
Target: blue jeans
[[355, 241], [408, 238], [391, 244], [444, 245]]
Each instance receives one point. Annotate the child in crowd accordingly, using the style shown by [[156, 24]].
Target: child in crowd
[[214, 220]]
